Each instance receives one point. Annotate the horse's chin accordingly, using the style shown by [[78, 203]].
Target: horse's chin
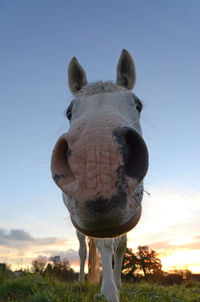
[[111, 231]]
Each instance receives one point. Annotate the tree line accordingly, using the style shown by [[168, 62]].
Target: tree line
[[54, 267], [143, 264]]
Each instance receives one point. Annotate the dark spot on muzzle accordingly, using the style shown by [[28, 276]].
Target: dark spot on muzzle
[[134, 152], [69, 153], [57, 177], [102, 205]]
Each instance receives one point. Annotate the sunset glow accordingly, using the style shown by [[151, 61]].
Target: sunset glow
[[182, 259], [176, 240]]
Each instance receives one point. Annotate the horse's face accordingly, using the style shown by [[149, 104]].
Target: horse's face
[[101, 161]]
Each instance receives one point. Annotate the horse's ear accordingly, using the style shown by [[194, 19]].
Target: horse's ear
[[76, 76], [126, 75]]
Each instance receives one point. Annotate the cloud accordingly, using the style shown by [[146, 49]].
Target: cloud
[[169, 246], [19, 248], [14, 235], [160, 245], [17, 238], [191, 246], [169, 214], [71, 255]]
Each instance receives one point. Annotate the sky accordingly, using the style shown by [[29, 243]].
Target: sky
[[37, 41]]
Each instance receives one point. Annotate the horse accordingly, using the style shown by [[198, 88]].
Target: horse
[[100, 163], [108, 248]]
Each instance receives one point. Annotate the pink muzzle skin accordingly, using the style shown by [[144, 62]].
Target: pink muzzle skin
[[87, 166]]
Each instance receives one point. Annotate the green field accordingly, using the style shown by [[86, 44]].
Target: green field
[[34, 288]]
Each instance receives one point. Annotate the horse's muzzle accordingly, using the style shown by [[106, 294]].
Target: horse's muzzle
[[100, 172]]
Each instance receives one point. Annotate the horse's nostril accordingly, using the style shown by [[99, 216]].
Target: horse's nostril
[[136, 162], [134, 150], [61, 171]]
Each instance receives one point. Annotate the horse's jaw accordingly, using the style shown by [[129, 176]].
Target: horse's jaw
[[104, 224], [111, 231]]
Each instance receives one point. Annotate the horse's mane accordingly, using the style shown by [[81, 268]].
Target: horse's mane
[[99, 87]]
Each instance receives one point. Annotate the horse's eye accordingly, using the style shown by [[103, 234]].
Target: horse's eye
[[139, 108], [69, 112], [139, 105]]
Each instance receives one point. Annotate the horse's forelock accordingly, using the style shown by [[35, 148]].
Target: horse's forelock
[[99, 87]]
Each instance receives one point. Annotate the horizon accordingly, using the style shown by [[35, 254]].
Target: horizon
[[38, 41]]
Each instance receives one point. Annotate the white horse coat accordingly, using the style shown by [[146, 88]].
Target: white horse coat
[[100, 164]]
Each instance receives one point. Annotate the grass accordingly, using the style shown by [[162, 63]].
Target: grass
[[34, 288]]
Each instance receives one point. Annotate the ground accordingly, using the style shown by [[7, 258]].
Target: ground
[[34, 288]]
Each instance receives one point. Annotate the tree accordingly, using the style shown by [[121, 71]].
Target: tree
[[130, 264], [39, 264], [144, 260], [148, 261], [60, 269], [54, 267], [4, 267], [59, 265]]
